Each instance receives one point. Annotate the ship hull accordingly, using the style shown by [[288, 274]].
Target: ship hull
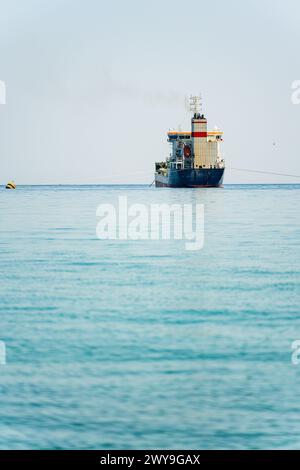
[[191, 178]]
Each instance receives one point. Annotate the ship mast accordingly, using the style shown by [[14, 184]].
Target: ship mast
[[195, 104]]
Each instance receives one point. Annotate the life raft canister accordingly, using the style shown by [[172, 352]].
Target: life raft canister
[[187, 151], [11, 185]]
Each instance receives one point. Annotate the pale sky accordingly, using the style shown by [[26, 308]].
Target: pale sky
[[93, 86]]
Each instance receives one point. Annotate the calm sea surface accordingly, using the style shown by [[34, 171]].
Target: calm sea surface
[[142, 344]]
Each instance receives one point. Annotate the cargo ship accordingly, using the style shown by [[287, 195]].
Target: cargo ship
[[195, 160]]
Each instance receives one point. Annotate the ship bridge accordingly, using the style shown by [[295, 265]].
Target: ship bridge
[[182, 135]]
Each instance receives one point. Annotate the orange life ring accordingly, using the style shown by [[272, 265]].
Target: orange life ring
[[187, 151]]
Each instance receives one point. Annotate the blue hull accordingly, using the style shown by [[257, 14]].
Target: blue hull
[[191, 178]]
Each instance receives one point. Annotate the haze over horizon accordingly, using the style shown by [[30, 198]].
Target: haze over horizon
[[92, 87]]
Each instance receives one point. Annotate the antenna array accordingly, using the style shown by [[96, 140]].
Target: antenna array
[[195, 104]]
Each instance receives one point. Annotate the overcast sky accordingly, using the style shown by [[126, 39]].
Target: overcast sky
[[93, 86]]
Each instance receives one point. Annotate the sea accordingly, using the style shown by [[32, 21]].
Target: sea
[[143, 344]]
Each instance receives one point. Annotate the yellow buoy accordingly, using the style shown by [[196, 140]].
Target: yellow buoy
[[11, 185]]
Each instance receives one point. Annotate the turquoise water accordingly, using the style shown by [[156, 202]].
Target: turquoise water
[[142, 344]]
